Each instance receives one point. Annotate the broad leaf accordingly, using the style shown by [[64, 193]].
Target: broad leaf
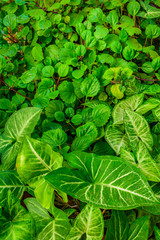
[[116, 138], [15, 221], [137, 129], [106, 181], [147, 164], [118, 226], [139, 229], [90, 222], [20, 124], [9, 180], [57, 228], [157, 232], [131, 103], [34, 161], [148, 105], [39, 214]]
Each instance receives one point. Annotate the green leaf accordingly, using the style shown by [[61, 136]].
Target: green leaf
[[116, 138], [29, 75], [105, 181], [112, 18], [116, 47], [54, 137], [128, 53], [37, 52], [133, 7], [157, 232], [5, 104], [156, 63], [101, 32], [80, 50], [16, 223], [9, 180], [130, 103], [151, 12], [139, 229], [128, 156], [147, 67], [101, 114], [34, 161], [152, 31], [118, 226], [54, 106], [137, 129], [90, 222], [63, 70], [116, 92], [58, 228], [10, 21], [19, 125], [147, 164], [66, 91], [148, 105], [38, 213], [90, 86], [48, 71]]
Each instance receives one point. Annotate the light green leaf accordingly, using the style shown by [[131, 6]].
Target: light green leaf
[[137, 129], [101, 114], [66, 91], [37, 52], [9, 180], [16, 223], [147, 164], [156, 113], [128, 156], [106, 181], [133, 7], [157, 232], [20, 124], [54, 137], [130, 103], [152, 31], [101, 32], [116, 138], [90, 222], [116, 92], [63, 70], [90, 86], [48, 71], [118, 226], [40, 215], [34, 161], [139, 229], [29, 75], [10, 20], [57, 228], [148, 105]]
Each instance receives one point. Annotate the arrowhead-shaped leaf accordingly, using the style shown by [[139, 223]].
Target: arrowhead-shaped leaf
[[139, 229], [16, 223], [90, 222], [9, 180], [34, 161], [137, 128], [131, 103], [20, 124], [105, 181], [116, 138], [118, 226]]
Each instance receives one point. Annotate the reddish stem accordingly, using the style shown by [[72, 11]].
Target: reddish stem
[[12, 89]]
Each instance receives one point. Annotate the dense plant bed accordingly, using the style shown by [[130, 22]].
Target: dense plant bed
[[79, 119]]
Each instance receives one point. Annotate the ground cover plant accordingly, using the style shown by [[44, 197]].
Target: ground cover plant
[[79, 119]]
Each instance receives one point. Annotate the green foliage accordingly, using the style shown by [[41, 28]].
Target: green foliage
[[79, 119]]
